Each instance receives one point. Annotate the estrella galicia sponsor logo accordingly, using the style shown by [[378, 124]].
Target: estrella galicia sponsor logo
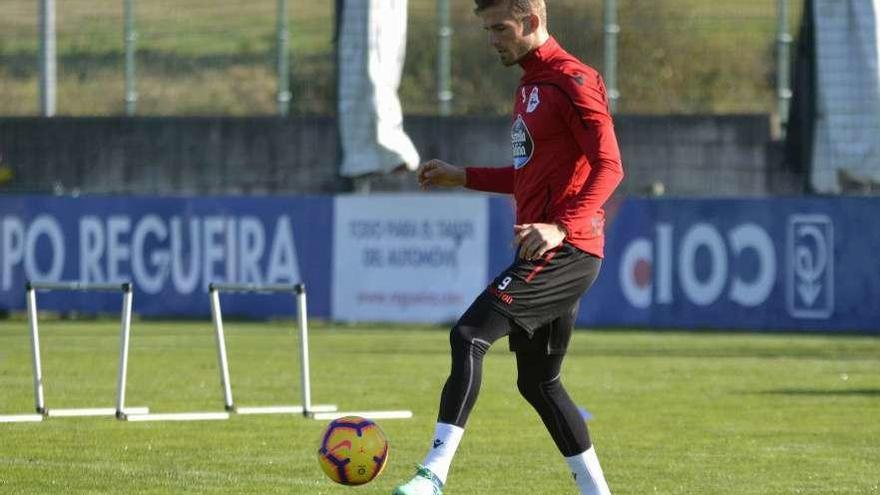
[[521, 139], [534, 100], [810, 280]]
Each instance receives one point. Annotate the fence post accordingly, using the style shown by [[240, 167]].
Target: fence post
[[131, 95], [783, 65], [444, 57], [48, 63], [612, 29], [283, 60]]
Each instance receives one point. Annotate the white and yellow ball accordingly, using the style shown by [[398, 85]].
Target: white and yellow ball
[[353, 450]]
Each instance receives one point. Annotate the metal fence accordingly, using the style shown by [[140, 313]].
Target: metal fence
[[262, 57]]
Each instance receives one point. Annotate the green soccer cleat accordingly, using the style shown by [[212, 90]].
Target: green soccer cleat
[[423, 483]]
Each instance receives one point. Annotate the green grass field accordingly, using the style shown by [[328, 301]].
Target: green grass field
[[674, 413]]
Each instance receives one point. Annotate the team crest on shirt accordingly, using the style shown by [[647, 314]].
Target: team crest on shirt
[[534, 100], [523, 146]]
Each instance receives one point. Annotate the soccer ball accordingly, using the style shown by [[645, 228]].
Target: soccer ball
[[353, 450]]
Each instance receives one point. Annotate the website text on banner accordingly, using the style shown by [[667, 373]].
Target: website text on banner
[[407, 258]]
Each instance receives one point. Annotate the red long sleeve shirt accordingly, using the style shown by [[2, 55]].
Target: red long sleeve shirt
[[566, 162]]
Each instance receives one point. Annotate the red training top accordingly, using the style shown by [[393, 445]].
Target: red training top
[[566, 162]]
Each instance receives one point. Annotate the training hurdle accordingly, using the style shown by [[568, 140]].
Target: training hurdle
[[307, 409], [145, 415], [31, 289], [21, 418]]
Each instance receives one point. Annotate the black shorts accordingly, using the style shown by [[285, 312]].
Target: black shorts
[[541, 297]]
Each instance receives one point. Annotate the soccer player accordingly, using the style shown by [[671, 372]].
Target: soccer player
[[566, 164]]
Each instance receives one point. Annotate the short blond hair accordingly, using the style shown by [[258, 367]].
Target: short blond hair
[[517, 7]]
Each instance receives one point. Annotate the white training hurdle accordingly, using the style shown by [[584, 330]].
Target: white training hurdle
[[31, 289], [21, 418], [137, 414], [307, 409]]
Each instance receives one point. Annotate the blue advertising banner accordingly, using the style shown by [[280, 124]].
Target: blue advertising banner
[[763, 264], [169, 248]]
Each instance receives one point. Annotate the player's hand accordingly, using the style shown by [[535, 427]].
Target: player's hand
[[535, 239], [438, 173]]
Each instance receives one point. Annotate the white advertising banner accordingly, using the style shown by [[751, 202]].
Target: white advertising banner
[[408, 258]]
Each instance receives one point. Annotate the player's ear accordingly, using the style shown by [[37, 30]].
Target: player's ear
[[531, 23]]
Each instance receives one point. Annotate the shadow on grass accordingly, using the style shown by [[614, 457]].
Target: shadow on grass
[[661, 353], [724, 353], [813, 392]]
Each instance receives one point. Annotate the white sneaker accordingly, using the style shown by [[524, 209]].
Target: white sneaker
[[423, 483]]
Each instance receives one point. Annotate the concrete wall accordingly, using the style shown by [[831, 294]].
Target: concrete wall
[[690, 155]]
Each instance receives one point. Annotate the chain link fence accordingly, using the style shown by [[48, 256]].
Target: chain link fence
[[209, 57], [192, 57]]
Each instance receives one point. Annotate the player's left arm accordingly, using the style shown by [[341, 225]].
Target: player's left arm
[[593, 130]]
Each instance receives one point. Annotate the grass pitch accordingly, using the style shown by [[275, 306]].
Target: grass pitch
[[673, 413]]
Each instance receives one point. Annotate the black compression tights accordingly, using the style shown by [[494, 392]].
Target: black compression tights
[[538, 380]]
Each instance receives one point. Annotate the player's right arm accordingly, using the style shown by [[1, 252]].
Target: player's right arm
[[490, 179], [438, 173]]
